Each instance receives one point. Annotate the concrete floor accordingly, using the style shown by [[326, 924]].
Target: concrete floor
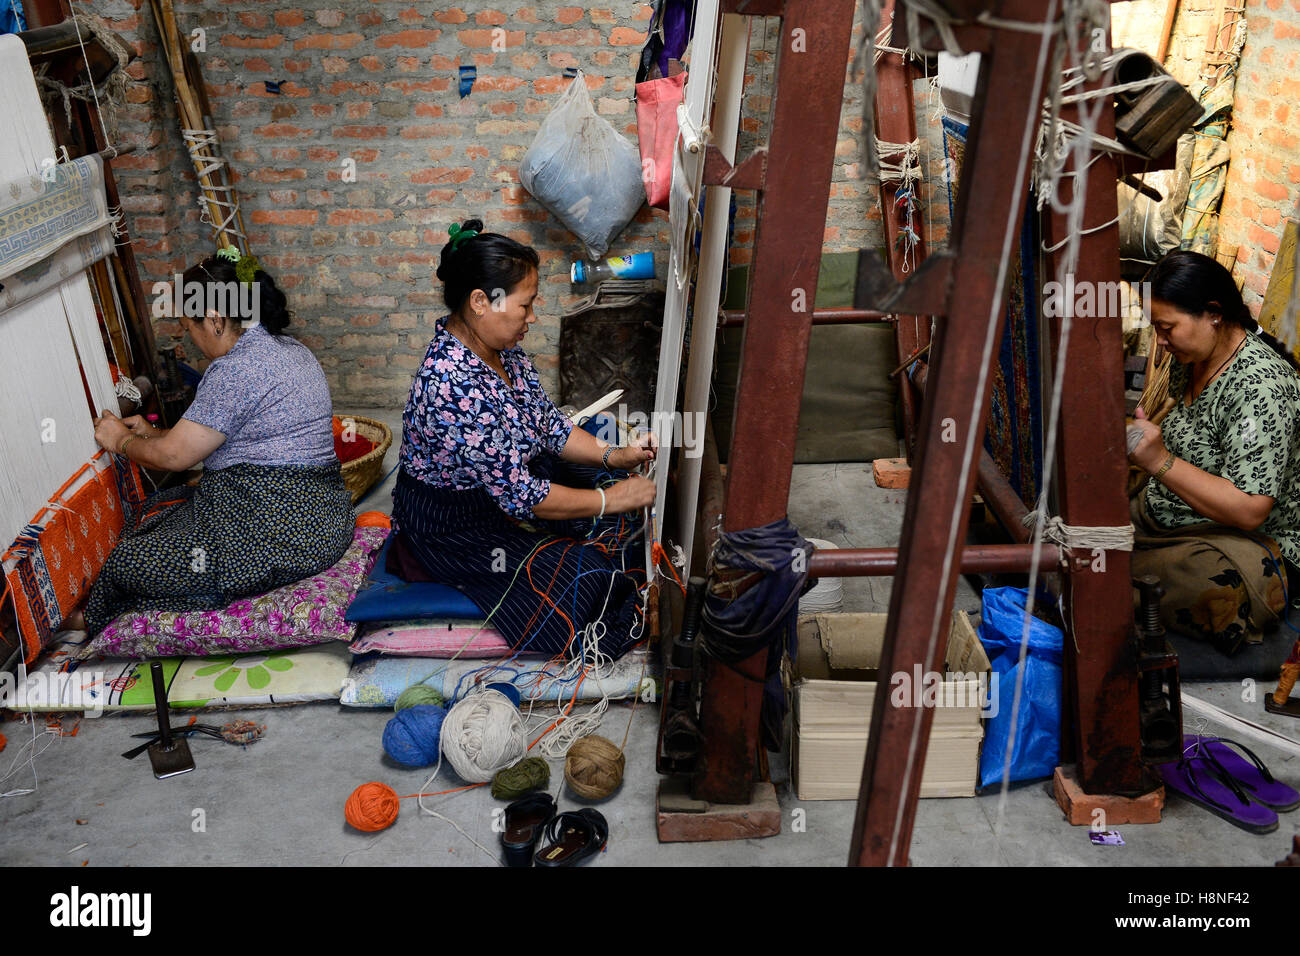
[[281, 800]]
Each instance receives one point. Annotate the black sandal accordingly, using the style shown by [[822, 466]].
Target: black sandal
[[526, 818], [572, 838]]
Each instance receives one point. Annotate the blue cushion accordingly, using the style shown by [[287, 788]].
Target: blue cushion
[[386, 597]]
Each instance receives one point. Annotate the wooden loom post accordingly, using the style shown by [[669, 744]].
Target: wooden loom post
[[896, 123], [1100, 668], [783, 285], [987, 220]]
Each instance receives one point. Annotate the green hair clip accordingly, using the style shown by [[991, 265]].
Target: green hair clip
[[230, 253], [459, 236]]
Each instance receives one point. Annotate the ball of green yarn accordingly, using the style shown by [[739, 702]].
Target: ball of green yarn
[[531, 773], [418, 695]]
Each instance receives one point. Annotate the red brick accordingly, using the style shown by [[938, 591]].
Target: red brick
[[491, 18], [891, 472], [369, 19], [358, 217], [457, 174], [328, 41], [361, 132], [252, 43], [1080, 808], [1271, 190], [432, 110], [411, 39], [290, 18], [410, 15], [485, 38], [254, 21], [293, 65], [321, 154], [569, 14], [329, 18], [282, 130], [624, 36], [431, 132], [257, 64], [644, 12], [285, 217], [1263, 238], [454, 15], [498, 84], [568, 37]]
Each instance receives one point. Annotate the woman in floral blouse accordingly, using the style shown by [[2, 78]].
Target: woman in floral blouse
[[498, 495], [1218, 521]]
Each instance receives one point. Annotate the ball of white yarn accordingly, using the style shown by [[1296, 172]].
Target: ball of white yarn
[[483, 734]]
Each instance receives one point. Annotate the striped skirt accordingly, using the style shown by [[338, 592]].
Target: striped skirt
[[555, 588]]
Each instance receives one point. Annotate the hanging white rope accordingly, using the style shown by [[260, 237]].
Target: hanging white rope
[[201, 143], [1082, 537]]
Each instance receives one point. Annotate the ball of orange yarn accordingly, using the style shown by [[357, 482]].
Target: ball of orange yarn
[[372, 807], [374, 519]]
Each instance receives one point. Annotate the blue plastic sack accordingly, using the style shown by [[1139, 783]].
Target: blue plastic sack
[[1037, 748]]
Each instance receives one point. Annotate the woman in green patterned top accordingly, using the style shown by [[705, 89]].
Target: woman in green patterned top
[[1219, 520]]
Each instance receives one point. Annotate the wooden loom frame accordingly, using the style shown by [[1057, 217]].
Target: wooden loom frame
[[1092, 460]]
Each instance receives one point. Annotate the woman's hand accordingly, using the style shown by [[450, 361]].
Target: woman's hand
[[642, 448], [110, 431], [1149, 451], [630, 494], [140, 427]]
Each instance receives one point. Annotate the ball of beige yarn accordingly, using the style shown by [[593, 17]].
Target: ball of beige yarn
[[593, 767]]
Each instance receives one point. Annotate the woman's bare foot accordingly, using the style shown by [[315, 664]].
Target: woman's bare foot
[[76, 621]]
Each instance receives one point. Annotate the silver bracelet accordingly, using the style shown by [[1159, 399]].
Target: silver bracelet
[[604, 461], [602, 504]]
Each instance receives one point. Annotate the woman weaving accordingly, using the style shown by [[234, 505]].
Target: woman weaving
[[270, 507], [1218, 522], [495, 491]]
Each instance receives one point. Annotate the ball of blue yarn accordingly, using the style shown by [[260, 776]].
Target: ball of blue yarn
[[411, 736]]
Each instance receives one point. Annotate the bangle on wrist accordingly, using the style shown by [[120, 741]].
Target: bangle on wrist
[[1169, 463], [121, 449], [602, 504], [604, 461]]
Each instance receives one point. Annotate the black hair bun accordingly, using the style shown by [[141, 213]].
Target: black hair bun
[[273, 307], [449, 255]]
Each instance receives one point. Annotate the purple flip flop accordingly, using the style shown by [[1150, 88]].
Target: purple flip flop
[[1259, 784], [1197, 779]]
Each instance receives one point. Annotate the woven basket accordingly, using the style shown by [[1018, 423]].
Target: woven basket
[[360, 474]]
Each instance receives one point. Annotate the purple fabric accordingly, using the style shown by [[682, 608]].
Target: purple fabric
[[465, 428], [269, 397], [305, 612]]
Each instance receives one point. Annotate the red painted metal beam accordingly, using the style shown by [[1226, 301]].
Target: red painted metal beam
[[975, 559], [1090, 484], [783, 286], [736, 318], [990, 210]]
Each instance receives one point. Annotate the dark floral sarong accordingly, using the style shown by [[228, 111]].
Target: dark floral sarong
[[243, 530]]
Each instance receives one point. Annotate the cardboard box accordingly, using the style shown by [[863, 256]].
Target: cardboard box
[[835, 680]]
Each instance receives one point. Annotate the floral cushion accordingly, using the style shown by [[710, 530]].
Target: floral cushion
[[305, 612]]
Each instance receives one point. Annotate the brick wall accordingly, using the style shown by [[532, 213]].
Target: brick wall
[[1264, 175], [1264, 171], [376, 82]]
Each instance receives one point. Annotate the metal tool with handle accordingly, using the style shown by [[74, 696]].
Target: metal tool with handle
[[169, 755]]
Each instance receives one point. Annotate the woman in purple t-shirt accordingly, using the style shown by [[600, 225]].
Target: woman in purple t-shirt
[[271, 507]]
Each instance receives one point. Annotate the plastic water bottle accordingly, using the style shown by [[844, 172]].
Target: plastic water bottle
[[640, 265]]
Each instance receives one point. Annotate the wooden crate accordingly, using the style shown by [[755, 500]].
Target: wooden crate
[[835, 680]]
